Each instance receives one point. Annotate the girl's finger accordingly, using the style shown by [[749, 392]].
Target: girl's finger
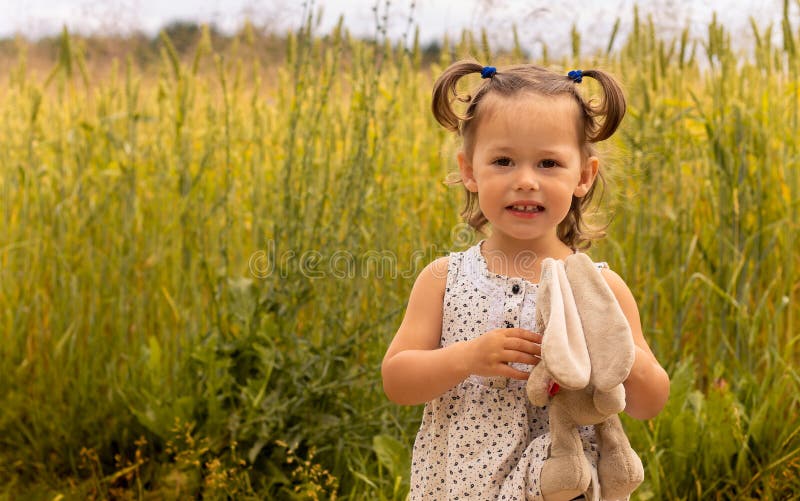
[[510, 372], [523, 358], [526, 334], [522, 345]]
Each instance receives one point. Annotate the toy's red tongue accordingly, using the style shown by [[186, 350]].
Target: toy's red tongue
[[553, 389]]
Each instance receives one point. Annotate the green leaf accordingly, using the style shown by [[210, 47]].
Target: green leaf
[[392, 454]]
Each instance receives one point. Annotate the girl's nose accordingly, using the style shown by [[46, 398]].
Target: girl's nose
[[527, 180]]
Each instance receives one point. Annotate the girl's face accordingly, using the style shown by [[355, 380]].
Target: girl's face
[[527, 163]]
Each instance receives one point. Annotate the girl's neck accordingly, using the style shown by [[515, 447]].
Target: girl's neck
[[521, 258]]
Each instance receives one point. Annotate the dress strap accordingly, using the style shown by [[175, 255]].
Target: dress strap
[[454, 265]]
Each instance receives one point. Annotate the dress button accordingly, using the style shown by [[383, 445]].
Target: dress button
[[515, 289]]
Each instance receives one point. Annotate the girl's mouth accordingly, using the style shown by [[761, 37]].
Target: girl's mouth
[[526, 211], [525, 208]]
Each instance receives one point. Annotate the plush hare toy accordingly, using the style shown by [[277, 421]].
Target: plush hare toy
[[587, 352]]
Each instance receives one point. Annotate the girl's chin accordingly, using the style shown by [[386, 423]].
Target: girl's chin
[[522, 236]]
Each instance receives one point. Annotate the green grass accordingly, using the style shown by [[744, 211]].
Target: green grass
[[146, 350]]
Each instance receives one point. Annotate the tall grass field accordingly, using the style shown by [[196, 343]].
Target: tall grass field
[[204, 258]]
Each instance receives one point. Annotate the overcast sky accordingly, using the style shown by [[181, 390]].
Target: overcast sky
[[536, 20]]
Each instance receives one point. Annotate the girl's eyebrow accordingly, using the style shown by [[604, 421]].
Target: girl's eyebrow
[[501, 148]]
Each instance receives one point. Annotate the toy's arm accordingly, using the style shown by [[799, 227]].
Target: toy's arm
[[538, 385], [610, 402]]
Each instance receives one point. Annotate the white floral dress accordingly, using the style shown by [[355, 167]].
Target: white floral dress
[[483, 439]]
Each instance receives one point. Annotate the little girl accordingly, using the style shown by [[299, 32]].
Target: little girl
[[465, 346]]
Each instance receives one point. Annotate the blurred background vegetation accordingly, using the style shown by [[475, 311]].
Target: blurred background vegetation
[[209, 241]]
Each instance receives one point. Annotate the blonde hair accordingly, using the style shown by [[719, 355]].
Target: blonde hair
[[597, 121]]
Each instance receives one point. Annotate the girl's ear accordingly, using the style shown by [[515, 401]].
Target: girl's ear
[[588, 175], [467, 175]]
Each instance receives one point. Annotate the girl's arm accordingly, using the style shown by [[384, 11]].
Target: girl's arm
[[647, 386], [416, 369]]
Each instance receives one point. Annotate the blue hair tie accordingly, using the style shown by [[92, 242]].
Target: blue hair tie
[[488, 71], [576, 76]]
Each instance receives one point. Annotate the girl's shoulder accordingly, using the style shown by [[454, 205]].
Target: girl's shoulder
[[620, 289], [614, 281], [428, 291], [451, 264], [434, 276], [437, 269]]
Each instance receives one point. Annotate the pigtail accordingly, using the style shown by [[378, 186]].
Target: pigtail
[[611, 108], [445, 92]]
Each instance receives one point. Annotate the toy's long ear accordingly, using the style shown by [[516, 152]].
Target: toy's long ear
[[563, 346], [608, 334]]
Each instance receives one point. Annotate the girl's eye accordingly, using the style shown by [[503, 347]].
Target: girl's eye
[[548, 164], [502, 161]]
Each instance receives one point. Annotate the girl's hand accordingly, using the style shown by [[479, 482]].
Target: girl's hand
[[490, 354]]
